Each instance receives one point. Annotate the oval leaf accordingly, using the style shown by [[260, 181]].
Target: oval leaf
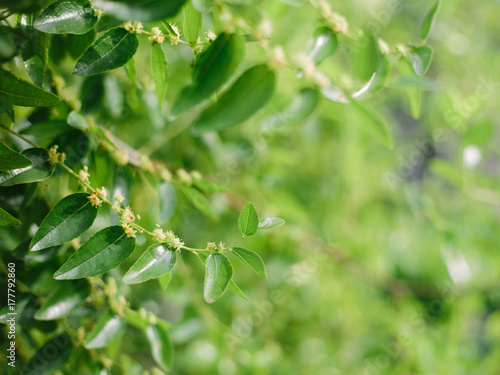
[[248, 221], [421, 58], [103, 251], [39, 170], [430, 19], [161, 345], [322, 45], [66, 298], [159, 62], [156, 261], [270, 223], [108, 328], [34, 51], [249, 93], [365, 55], [251, 260], [10, 159], [54, 353], [192, 23], [16, 91], [145, 10], [67, 17], [69, 218], [376, 82], [218, 273], [110, 51], [7, 219]]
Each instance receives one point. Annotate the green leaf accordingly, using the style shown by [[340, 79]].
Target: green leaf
[[39, 170], [67, 17], [110, 51], [34, 51], [156, 261], [373, 124], [78, 44], [233, 287], [249, 93], [145, 10], [421, 58], [7, 219], [63, 301], [192, 23], [218, 273], [10, 159], [376, 82], [198, 200], [76, 120], [212, 69], [414, 93], [168, 201], [59, 348], [69, 218], [248, 221], [108, 328], [251, 260], [16, 91], [208, 186], [430, 19], [165, 280], [271, 223], [159, 62], [322, 45], [103, 251], [365, 55], [161, 346]]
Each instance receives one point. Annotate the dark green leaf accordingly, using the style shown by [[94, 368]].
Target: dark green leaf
[[218, 273], [52, 354], [10, 159], [213, 68], [103, 251], [414, 93], [365, 55], [161, 346], [145, 10], [430, 19], [8, 46], [16, 91], [156, 261], [270, 223], [67, 17], [7, 219], [250, 92], [108, 328], [63, 301], [39, 170], [35, 51], [78, 44], [322, 45], [248, 221], [159, 62], [192, 23], [69, 218], [110, 51], [421, 59], [251, 260]]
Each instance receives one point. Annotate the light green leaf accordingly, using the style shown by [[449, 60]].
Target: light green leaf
[[161, 346], [69, 218], [212, 69], [430, 19], [421, 58], [110, 51], [322, 45], [233, 287], [16, 91], [414, 93], [165, 280], [145, 10], [218, 273], [160, 72], [168, 201], [365, 55], [198, 200], [248, 221], [271, 223], [63, 301], [108, 328], [251, 260], [76, 120], [373, 124], [376, 82], [39, 170], [7, 219], [156, 261], [103, 251], [10, 159], [192, 23], [35, 50], [60, 343], [67, 17], [249, 93]]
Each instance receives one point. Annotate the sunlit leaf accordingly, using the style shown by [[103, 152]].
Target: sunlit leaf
[[430, 19], [322, 44], [161, 346], [248, 221], [108, 328], [251, 260], [218, 273], [159, 63], [67, 16], [10, 159], [156, 261], [39, 170], [7, 219]]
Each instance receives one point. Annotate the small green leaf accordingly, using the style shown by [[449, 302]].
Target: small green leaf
[[249, 93], [39, 170], [10, 159], [7, 219], [322, 45], [34, 51], [16, 91], [233, 287], [165, 280], [144, 10], [212, 69], [161, 346], [300, 108], [192, 23], [69, 218], [63, 301], [156, 261], [430, 19], [248, 221], [110, 51], [414, 93], [103, 251], [373, 124], [270, 223], [60, 348], [159, 62], [365, 55], [218, 273], [108, 328], [376, 82], [421, 58], [67, 17], [251, 260]]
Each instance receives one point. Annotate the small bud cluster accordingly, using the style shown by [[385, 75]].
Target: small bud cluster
[[214, 248], [84, 175], [156, 35], [136, 27], [97, 196], [311, 72], [184, 177], [127, 218], [117, 201], [210, 36], [120, 157], [262, 32], [278, 59], [174, 39], [167, 237], [337, 22], [56, 157]]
